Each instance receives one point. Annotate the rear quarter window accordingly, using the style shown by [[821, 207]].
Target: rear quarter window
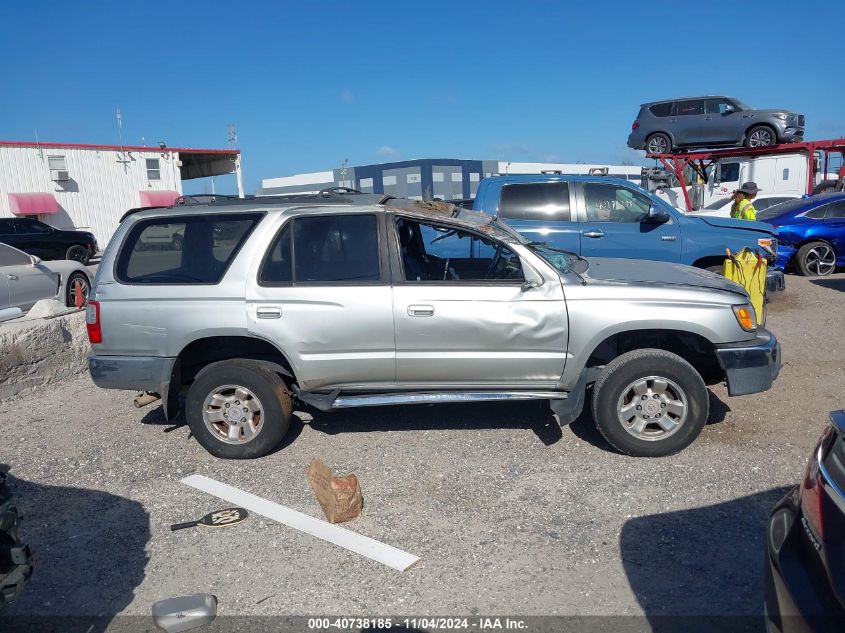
[[661, 109], [184, 250]]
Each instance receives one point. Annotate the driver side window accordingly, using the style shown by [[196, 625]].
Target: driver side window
[[612, 203], [432, 253]]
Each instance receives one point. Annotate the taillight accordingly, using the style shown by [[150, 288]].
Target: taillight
[[92, 322], [635, 125], [812, 492]]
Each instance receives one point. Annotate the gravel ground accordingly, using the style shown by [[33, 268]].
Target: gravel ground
[[509, 513]]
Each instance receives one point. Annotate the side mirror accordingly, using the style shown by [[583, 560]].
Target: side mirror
[[657, 215], [717, 173], [528, 285], [35, 260], [729, 108]]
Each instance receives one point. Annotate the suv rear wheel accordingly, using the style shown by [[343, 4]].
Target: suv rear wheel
[[658, 143], [650, 403], [79, 254], [238, 409]]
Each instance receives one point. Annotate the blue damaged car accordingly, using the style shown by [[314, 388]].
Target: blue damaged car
[[608, 217]]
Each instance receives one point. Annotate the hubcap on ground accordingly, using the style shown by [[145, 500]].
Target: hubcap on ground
[[652, 408], [233, 414], [761, 138], [820, 260]]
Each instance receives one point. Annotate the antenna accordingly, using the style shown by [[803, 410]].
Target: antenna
[[119, 118], [233, 134]]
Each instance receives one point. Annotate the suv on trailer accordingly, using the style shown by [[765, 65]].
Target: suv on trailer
[[662, 126], [365, 300]]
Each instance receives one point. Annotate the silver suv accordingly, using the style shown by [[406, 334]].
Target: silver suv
[[373, 301], [663, 126]]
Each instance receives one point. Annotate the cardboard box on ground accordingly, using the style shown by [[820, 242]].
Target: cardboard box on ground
[[340, 497]]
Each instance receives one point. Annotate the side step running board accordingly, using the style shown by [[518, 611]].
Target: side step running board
[[334, 400]]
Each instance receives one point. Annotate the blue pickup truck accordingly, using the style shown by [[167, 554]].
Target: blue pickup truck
[[608, 217]]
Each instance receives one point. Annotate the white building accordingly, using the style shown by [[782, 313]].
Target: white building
[[90, 187], [428, 178]]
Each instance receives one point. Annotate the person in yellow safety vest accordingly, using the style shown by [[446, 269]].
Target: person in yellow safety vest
[[742, 207]]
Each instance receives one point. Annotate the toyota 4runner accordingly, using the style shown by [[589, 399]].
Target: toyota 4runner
[[367, 300]]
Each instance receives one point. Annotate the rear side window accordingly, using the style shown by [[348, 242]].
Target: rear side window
[[184, 251], [536, 201], [661, 109], [693, 106], [817, 213], [835, 210], [7, 227], [321, 249]]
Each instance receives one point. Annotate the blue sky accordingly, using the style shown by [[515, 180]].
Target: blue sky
[[312, 83]]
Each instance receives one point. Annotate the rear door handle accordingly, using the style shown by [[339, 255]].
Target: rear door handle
[[420, 310], [268, 312], [593, 234]]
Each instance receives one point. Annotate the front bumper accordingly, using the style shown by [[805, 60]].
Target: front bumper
[[791, 135], [750, 366]]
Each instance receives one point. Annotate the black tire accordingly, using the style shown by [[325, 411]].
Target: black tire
[[633, 367], [815, 259], [70, 292], [16, 564], [79, 254], [761, 136], [825, 186], [263, 384], [658, 143]]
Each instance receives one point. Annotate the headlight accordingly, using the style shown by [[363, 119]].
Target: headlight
[[782, 116], [768, 244], [745, 317]]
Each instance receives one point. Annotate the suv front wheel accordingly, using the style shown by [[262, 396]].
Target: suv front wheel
[[650, 403], [238, 409]]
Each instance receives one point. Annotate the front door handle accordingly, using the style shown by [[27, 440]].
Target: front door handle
[[268, 312], [594, 234], [668, 238], [419, 310], [11, 276]]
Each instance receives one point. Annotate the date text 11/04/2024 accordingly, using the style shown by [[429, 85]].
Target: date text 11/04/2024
[[435, 623]]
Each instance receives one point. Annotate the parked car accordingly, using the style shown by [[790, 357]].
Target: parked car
[[805, 570], [16, 563], [407, 302], [608, 217], [25, 279], [711, 121], [810, 232], [47, 242], [722, 208]]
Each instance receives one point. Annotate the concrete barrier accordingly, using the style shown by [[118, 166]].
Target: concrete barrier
[[35, 353]]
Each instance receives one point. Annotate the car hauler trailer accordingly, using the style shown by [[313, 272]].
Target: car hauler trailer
[[792, 169]]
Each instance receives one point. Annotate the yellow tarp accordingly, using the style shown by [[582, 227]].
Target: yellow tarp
[[749, 270]]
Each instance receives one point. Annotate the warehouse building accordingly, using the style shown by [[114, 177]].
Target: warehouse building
[[427, 178], [89, 187]]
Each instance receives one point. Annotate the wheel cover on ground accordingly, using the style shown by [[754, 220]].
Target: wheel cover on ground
[[233, 414], [820, 260], [652, 408], [760, 138], [657, 145]]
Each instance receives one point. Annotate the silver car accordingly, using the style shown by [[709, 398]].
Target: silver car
[[402, 302], [713, 121], [25, 279]]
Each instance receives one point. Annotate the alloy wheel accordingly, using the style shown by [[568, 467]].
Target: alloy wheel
[[657, 145], [652, 408], [760, 138], [233, 414], [820, 260]]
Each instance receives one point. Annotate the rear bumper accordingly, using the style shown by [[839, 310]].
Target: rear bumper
[[141, 373], [750, 366], [636, 140]]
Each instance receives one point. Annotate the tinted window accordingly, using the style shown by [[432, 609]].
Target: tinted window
[[720, 203], [661, 109], [785, 207], [31, 226], [817, 213], [439, 253], [12, 257], [192, 250], [695, 106], [767, 203], [835, 210], [715, 106], [535, 201], [729, 172], [7, 227], [612, 203], [336, 248], [278, 264]]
